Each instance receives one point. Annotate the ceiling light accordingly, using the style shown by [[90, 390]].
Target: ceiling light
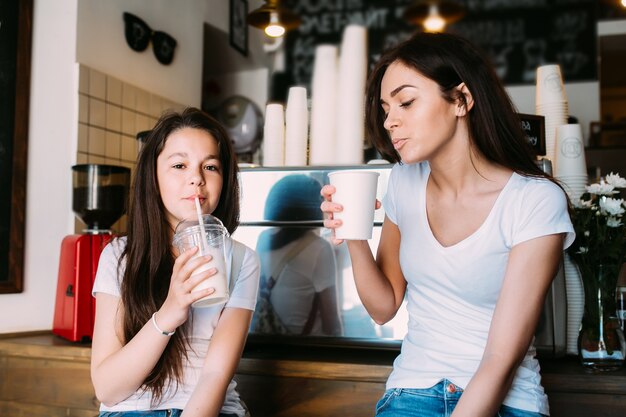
[[274, 29], [434, 15], [272, 18]]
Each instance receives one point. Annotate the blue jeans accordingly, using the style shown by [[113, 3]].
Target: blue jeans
[[436, 401], [151, 413]]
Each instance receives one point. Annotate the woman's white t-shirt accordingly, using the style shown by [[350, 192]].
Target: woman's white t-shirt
[[452, 291], [204, 321]]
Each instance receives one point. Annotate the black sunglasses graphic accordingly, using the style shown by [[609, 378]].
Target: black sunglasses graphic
[[138, 36]]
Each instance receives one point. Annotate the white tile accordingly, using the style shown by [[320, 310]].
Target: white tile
[[143, 102], [97, 84], [129, 96], [114, 91], [83, 108], [128, 122], [97, 112], [96, 141], [129, 148], [112, 147], [83, 137], [113, 117], [83, 80]]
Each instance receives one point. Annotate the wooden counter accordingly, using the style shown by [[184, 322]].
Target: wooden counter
[[44, 375]]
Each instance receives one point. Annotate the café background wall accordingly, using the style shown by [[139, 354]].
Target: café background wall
[[67, 35], [61, 44]]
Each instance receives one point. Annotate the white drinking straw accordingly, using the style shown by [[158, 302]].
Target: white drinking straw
[[203, 245]]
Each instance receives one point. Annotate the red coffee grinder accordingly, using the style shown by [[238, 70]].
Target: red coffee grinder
[[99, 200]]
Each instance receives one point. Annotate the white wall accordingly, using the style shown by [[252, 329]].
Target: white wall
[[52, 146]]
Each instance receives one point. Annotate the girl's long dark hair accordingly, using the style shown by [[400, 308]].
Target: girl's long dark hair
[[449, 60], [148, 253]]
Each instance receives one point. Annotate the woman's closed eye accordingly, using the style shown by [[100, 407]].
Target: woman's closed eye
[[407, 103]]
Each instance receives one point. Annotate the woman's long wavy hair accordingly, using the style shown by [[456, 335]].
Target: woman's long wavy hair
[[449, 60], [148, 253]]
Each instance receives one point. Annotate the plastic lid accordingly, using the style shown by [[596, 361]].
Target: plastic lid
[[191, 226]]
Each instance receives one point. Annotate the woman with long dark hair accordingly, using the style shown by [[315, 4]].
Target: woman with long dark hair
[[152, 352], [473, 234]]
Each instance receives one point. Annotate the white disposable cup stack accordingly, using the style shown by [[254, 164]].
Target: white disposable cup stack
[[575, 297], [323, 105], [296, 127], [356, 192], [350, 121], [274, 135], [550, 86], [570, 166], [551, 102]]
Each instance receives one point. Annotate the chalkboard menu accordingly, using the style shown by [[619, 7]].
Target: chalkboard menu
[[15, 38], [518, 35]]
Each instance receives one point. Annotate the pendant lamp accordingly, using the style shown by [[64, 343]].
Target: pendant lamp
[[273, 19], [434, 15]]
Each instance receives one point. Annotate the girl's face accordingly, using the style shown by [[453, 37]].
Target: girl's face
[[420, 122], [189, 166]]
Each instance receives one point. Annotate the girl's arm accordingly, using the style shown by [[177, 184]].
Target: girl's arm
[[220, 363], [531, 267], [118, 369]]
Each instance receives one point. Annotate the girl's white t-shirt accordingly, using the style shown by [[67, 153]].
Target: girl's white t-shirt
[[452, 291], [204, 321]]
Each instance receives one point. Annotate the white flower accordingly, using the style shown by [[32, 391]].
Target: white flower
[[600, 189], [613, 222], [615, 180], [612, 206], [583, 249], [583, 204], [586, 233]]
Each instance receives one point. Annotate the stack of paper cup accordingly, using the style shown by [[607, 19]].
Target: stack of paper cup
[[323, 105], [296, 127], [575, 295], [350, 121], [551, 102], [571, 167], [274, 135]]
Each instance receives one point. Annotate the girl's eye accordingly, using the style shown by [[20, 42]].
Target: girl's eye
[[178, 166], [211, 168], [407, 103]]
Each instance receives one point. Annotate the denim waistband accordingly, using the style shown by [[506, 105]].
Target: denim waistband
[[444, 389]]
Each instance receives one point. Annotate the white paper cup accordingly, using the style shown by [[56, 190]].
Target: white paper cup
[[189, 235], [356, 192], [570, 151], [550, 87]]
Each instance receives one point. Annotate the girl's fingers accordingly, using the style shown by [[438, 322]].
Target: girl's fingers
[[327, 191]]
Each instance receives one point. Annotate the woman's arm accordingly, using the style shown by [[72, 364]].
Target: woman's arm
[[380, 283], [220, 363], [531, 267]]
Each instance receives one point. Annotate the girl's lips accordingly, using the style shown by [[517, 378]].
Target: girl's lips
[[398, 143]]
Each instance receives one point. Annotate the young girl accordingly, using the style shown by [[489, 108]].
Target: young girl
[[152, 352], [473, 235]]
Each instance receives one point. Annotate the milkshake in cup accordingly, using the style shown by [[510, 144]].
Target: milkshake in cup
[[210, 241]]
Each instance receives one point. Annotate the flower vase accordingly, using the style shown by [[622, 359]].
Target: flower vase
[[601, 345]]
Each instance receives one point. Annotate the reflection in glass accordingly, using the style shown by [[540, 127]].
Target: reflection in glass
[[264, 231]]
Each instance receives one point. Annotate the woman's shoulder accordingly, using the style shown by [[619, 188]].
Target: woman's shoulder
[[115, 247], [537, 186]]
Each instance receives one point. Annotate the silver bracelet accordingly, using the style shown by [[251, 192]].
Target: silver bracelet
[[156, 326]]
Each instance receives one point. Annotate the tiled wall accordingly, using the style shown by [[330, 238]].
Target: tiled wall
[[111, 113]]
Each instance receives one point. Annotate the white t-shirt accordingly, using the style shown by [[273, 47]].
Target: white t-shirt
[[452, 291], [204, 322], [310, 271]]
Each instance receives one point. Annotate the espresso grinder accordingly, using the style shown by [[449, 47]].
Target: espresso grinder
[[99, 200]]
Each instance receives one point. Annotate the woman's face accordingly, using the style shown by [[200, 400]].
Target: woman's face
[[420, 122], [189, 166]]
